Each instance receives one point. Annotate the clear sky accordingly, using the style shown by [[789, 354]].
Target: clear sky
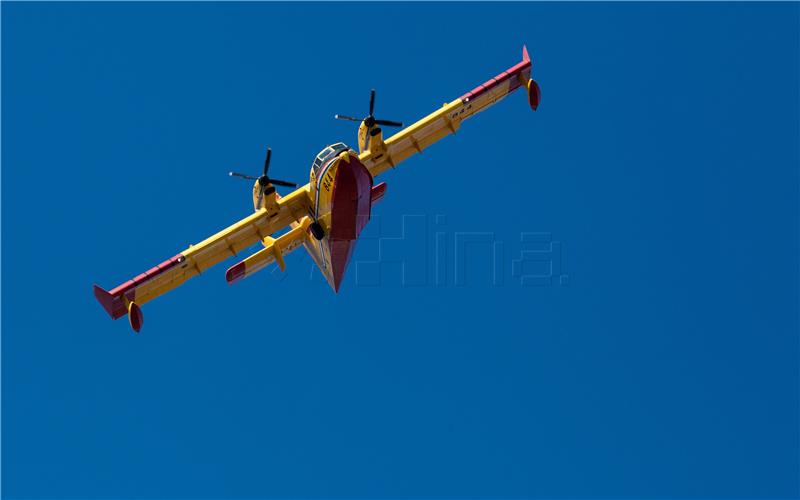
[[652, 350]]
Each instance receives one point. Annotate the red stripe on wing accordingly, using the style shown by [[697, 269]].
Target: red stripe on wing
[[510, 75], [114, 301]]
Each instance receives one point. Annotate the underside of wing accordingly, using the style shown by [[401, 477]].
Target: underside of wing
[[127, 297], [447, 120]]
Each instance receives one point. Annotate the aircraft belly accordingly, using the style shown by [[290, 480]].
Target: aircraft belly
[[348, 200]]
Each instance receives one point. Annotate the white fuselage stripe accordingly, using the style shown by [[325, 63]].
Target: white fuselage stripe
[[320, 177]]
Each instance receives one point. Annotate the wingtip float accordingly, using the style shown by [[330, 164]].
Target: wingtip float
[[326, 215]]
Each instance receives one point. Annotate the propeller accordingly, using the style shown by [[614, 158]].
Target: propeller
[[265, 181], [370, 120]]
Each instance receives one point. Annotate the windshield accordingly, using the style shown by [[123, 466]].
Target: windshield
[[328, 153]]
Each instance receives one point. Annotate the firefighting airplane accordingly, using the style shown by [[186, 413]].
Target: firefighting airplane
[[327, 214]]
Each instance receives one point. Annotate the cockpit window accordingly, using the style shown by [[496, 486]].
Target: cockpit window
[[328, 153]]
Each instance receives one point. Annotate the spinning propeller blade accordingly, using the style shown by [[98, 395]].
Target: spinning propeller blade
[[389, 123], [370, 120], [264, 182], [243, 176], [282, 183], [371, 102], [345, 117], [266, 161]]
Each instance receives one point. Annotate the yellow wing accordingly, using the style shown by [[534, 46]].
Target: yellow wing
[[127, 297], [413, 139]]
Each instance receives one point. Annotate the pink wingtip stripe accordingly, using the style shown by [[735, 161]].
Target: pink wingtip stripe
[[235, 273], [105, 299], [521, 69]]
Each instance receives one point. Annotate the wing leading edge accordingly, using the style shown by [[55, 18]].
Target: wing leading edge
[[127, 297], [447, 120]]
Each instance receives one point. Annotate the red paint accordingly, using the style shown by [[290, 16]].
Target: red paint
[[149, 274], [511, 75], [235, 273], [350, 212], [114, 306], [473, 92], [135, 317], [114, 301], [341, 251], [377, 192], [534, 95], [494, 82]]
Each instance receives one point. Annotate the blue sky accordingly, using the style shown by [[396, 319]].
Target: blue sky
[[653, 354]]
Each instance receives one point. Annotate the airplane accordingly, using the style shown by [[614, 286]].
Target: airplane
[[326, 215]]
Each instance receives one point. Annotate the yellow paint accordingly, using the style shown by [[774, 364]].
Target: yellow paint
[[362, 138], [275, 248], [297, 208], [321, 205]]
